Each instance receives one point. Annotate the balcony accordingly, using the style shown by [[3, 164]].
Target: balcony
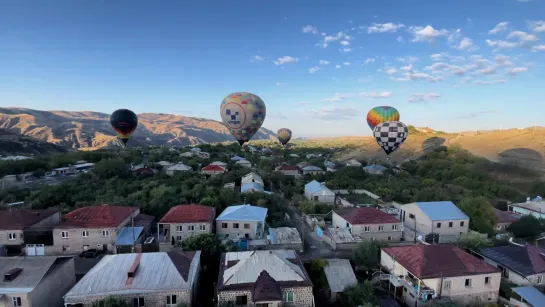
[[425, 293]]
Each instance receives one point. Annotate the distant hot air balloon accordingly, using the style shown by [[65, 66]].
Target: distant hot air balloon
[[381, 114], [243, 114], [283, 135], [124, 122], [390, 135]]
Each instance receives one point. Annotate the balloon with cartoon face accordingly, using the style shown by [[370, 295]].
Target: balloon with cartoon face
[[243, 114]]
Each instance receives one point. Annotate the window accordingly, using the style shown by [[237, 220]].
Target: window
[[246, 226], [315, 198], [178, 238], [438, 225], [367, 228], [381, 228], [105, 233], [223, 225], [64, 234], [462, 224], [179, 228], [202, 227], [447, 284], [65, 248], [85, 233], [449, 224], [539, 280], [487, 280], [241, 300], [468, 282], [138, 302], [394, 227], [12, 236], [17, 301], [235, 225], [411, 216], [498, 227], [389, 238], [288, 296], [172, 300], [191, 228]]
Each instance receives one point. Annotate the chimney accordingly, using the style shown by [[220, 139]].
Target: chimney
[[132, 271], [12, 274]]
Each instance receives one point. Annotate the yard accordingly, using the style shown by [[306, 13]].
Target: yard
[[359, 199]]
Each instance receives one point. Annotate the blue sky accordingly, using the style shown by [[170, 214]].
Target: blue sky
[[318, 65]]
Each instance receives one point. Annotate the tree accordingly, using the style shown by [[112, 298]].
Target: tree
[[473, 242], [526, 227], [367, 254], [358, 295], [317, 273], [208, 243], [307, 207], [111, 302], [109, 168], [480, 212], [39, 173]]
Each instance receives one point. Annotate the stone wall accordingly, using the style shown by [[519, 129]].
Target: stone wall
[[302, 297], [154, 299]]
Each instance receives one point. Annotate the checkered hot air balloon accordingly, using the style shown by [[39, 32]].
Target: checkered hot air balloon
[[381, 114], [390, 135], [124, 122], [284, 135], [243, 114]]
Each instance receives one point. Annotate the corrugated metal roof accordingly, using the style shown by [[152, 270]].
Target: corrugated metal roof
[[531, 295], [526, 260], [313, 187], [156, 272], [339, 274], [34, 269], [312, 168], [442, 210], [243, 213], [127, 236], [236, 158], [179, 167]]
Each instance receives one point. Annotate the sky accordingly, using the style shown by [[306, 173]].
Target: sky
[[450, 65]]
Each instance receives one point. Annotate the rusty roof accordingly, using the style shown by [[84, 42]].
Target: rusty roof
[[356, 216], [100, 216], [22, 218], [433, 261], [189, 214], [213, 167], [505, 216], [266, 289]]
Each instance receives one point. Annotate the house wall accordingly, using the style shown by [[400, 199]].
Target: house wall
[[4, 237], [7, 300], [477, 292], [424, 225], [185, 233], [393, 267], [54, 285], [323, 196], [290, 172], [152, 299], [237, 233], [213, 173], [501, 227], [302, 297], [374, 233], [313, 172], [515, 277], [524, 211], [450, 234]]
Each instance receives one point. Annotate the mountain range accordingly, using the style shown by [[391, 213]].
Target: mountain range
[[91, 130]]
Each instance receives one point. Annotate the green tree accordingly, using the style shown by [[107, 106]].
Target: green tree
[[307, 207], [358, 295], [208, 243], [111, 302], [317, 274], [527, 227], [39, 173], [109, 168], [480, 212], [367, 254], [473, 242]]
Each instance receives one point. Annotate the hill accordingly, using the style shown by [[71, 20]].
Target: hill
[[92, 130], [13, 144]]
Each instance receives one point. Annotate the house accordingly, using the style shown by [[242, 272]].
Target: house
[[203, 155], [142, 169], [17, 224], [264, 278], [504, 219], [288, 170], [188, 154], [195, 150], [423, 273], [285, 238], [149, 279], [354, 163], [294, 155], [535, 207], [312, 170], [251, 177], [339, 275], [318, 192], [213, 170], [242, 221], [219, 163], [303, 164], [368, 223], [329, 164], [313, 156], [165, 164], [64, 171], [229, 185], [266, 151], [521, 265], [252, 149], [253, 187], [530, 297], [178, 168], [91, 227], [35, 281], [236, 158], [278, 155], [374, 169], [437, 217], [244, 163], [184, 221]]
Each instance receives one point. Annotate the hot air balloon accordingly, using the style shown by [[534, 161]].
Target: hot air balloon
[[381, 114], [124, 122], [243, 114], [283, 135], [390, 135]]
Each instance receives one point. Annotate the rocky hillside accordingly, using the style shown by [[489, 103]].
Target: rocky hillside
[[14, 144], [92, 130]]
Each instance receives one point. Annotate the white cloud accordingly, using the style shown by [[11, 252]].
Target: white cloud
[[331, 38], [486, 71], [517, 70], [400, 39], [489, 82], [500, 27], [538, 48], [338, 97], [257, 58], [347, 64], [418, 76], [537, 26], [476, 114], [417, 97], [426, 34], [440, 67], [369, 60], [503, 60], [335, 113], [391, 71], [285, 59], [279, 115], [345, 43], [376, 95], [337, 66], [523, 36], [310, 29], [281, 83], [407, 67], [384, 27], [313, 69], [436, 57], [409, 59], [347, 49], [466, 44], [501, 44], [324, 62]]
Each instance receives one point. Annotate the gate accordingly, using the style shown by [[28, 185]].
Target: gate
[[35, 250]]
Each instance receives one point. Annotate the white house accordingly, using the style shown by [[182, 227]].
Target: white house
[[353, 162], [312, 170], [316, 191], [180, 167], [244, 163], [219, 163], [203, 155], [188, 154], [195, 150], [535, 207], [251, 177]]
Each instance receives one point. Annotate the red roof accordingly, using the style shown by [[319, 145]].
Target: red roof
[[504, 216], [288, 168], [189, 214], [433, 261], [356, 216], [100, 216], [213, 167], [20, 219]]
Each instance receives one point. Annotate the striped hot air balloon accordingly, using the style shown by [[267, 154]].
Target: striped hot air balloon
[[381, 114], [284, 135]]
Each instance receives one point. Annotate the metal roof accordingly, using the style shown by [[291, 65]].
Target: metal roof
[[251, 186], [525, 260], [34, 270], [236, 158], [375, 167], [127, 236], [314, 186], [442, 211], [284, 235], [156, 272], [339, 274], [531, 295], [312, 168], [179, 167], [243, 213]]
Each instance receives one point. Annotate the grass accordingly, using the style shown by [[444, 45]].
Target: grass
[[359, 199]]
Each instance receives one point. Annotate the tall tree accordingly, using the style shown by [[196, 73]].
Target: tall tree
[[480, 213], [527, 227]]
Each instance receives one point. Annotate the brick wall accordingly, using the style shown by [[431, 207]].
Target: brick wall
[[155, 299], [302, 296]]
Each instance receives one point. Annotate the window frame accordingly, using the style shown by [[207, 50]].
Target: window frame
[[224, 225], [247, 224], [202, 227], [380, 227], [286, 296], [16, 301], [12, 236], [394, 227], [136, 301], [83, 232], [172, 300], [105, 233], [65, 232], [367, 228], [236, 226], [179, 228]]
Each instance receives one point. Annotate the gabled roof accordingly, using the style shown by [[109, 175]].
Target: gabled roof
[[128, 235], [243, 213], [179, 167], [236, 158], [433, 261], [288, 168], [314, 186], [505, 216], [34, 270], [156, 272], [365, 215], [101, 216], [441, 210], [213, 167], [219, 163], [266, 289], [339, 274], [251, 176], [312, 168], [531, 295], [189, 214], [251, 186], [375, 167], [526, 260], [243, 161], [20, 219]]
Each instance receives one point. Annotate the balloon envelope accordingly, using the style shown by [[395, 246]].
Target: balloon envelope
[[381, 114], [284, 135], [390, 135], [124, 122], [243, 114]]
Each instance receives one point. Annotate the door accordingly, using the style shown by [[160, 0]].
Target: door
[[105, 248]]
